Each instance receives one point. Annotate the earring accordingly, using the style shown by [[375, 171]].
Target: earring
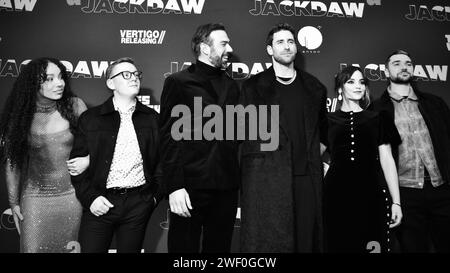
[[340, 95]]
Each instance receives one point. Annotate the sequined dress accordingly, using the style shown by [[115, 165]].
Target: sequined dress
[[48, 203], [356, 198]]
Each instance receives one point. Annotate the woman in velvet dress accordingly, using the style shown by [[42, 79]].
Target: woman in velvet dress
[[361, 192], [36, 140]]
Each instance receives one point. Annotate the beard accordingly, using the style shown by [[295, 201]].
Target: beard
[[284, 60], [401, 79], [219, 61]]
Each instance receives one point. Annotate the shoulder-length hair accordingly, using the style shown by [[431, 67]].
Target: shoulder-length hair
[[344, 75]]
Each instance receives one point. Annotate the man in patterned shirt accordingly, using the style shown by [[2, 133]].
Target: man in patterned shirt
[[120, 189], [423, 158]]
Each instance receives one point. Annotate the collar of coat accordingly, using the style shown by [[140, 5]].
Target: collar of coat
[[265, 86], [385, 97], [108, 107]]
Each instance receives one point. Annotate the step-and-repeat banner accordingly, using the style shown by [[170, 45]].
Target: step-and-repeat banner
[[88, 34]]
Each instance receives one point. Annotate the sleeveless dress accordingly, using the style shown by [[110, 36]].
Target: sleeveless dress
[[356, 199], [48, 203]]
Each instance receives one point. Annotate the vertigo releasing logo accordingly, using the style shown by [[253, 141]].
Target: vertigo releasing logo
[[140, 6], [310, 8], [146, 37], [422, 12], [19, 5], [311, 38]]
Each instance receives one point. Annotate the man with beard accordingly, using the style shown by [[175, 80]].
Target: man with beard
[[201, 177], [281, 199], [423, 157]]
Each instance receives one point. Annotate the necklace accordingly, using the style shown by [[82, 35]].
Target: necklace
[[49, 108], [287, 82]]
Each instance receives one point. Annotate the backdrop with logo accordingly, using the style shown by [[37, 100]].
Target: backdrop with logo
[[88, 34]]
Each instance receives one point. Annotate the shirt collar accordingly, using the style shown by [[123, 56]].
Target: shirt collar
[[396, 97], [130, 110]]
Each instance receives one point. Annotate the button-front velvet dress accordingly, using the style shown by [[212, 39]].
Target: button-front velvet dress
[[356, 198]]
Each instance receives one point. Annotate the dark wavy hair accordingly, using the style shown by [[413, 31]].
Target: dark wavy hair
[[20, 106], [201, 35], [344, 75], [396, 52], [277, 28]]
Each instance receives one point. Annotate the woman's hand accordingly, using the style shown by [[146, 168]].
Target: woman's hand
[[17, 216], [396, 215], [77, 165]]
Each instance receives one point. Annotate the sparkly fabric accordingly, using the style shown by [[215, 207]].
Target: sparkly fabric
[[127, 169], [50, 209]]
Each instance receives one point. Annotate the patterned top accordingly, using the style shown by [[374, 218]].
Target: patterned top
[[416, 150], [127, 169]]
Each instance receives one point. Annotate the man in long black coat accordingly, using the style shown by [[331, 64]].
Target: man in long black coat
[[282, 189]]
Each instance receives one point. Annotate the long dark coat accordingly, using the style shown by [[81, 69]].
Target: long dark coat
[[267, 209]]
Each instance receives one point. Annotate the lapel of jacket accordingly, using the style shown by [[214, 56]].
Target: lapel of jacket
[[266, 89], [221, 85], [310, 107], [387, 105], [213, 97], [107, 108]]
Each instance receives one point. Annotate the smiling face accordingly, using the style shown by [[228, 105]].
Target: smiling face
[[120, 85], [220, 48], [283, 49], [354, 89], [53, 86], [400, 69]]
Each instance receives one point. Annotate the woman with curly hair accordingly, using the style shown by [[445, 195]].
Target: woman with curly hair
[[36, 140]]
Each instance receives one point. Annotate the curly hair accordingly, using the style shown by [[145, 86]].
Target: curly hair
[[20, 107]]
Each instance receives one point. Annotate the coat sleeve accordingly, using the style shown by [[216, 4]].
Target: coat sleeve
[[157, 172], [445, 114], [323, 121], [84, 189], [170, 150]]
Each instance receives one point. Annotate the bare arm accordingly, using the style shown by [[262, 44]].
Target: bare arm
[[390, 174]]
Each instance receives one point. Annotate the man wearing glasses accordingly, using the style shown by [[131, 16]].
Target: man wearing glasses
[[119, 191]]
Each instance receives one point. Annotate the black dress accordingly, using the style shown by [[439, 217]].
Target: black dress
[[356, 198]]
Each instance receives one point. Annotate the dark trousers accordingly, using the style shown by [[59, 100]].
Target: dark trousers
[[426, 219], [308, 216], [127, 220], [214, 213]]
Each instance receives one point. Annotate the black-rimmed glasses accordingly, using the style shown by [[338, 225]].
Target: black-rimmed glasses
[[127, 74]]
